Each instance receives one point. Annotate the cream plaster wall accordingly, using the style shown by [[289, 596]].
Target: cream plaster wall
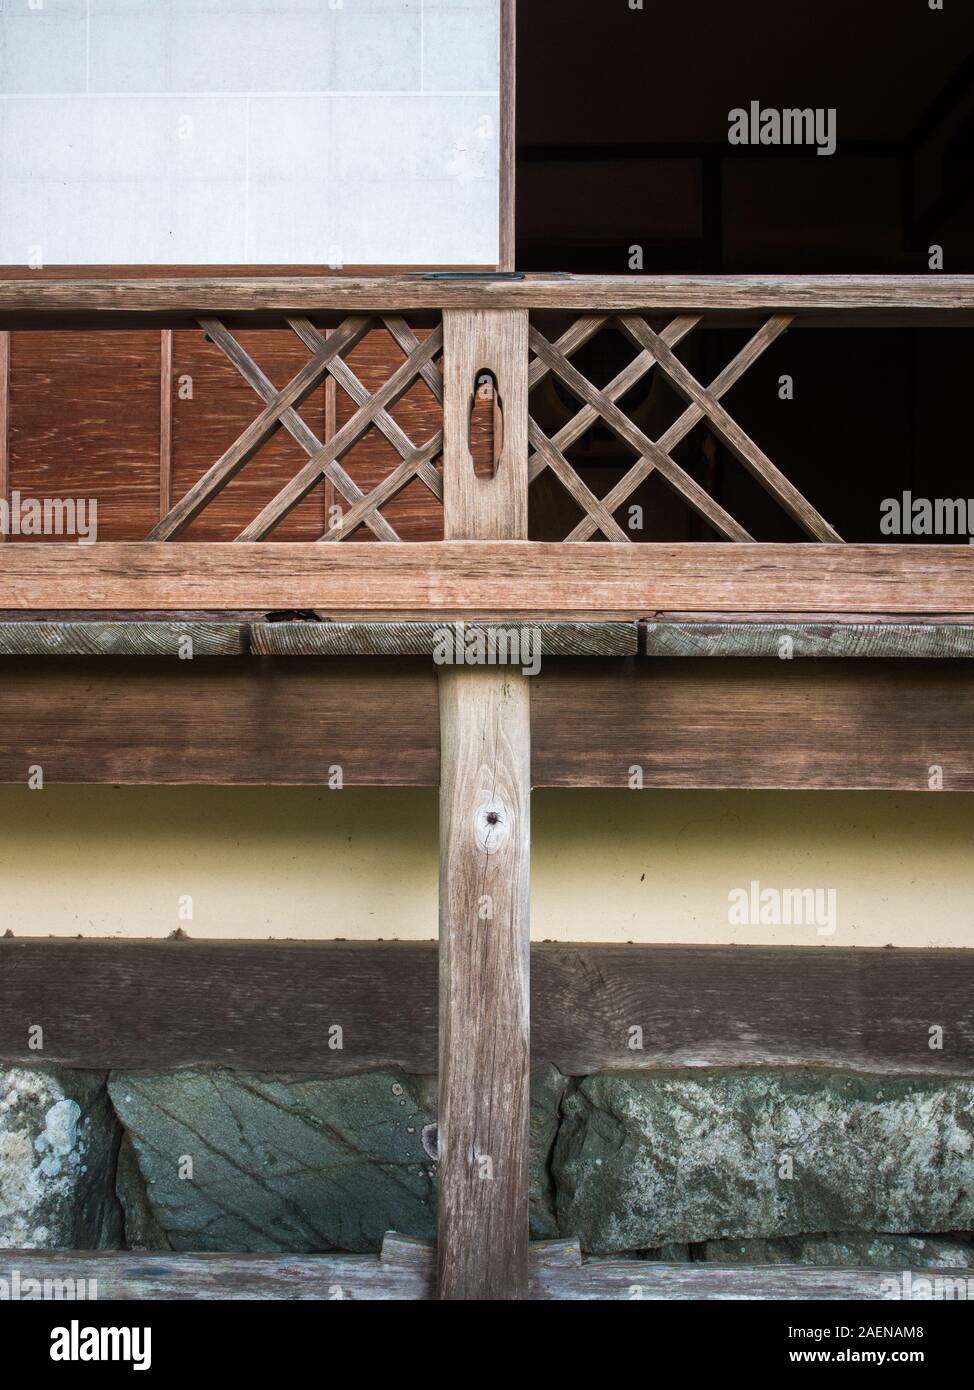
[[609, 866]]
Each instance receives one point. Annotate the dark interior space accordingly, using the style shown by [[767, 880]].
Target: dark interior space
[[625, 163]]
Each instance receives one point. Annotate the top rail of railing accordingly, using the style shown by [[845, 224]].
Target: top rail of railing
[[819, 299]]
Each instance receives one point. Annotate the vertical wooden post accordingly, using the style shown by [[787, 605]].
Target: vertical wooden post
[[165, 421], [4, 419], [484, 854]]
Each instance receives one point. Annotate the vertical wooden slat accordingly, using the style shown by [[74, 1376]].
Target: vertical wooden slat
[[329, 494], [508, 150], [484, 856], [165, 422], [4, 420]]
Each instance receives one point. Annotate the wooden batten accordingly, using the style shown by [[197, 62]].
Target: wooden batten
[[496, 578], [485, 831], [365, 1278], [165, 1005]]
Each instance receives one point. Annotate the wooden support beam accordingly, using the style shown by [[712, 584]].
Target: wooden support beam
[[485, 793], [490, 578], [425, 639], [183, 640], [404, 1271], [163, 1005], [4, 421], [856, 298], [876, 725], [877, 641], [485, 828]]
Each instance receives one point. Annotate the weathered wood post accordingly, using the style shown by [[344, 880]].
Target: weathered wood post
[[484, 853]]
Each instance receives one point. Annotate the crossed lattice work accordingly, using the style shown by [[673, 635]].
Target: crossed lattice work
[[324, 457], [703, 404]]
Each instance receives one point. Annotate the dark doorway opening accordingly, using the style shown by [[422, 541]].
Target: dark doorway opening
[[624, 136], [625, 164]]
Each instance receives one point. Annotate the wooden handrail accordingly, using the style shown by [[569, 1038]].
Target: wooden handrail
[[844, 297]]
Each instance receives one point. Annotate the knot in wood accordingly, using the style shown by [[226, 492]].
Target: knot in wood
[[492, 825]]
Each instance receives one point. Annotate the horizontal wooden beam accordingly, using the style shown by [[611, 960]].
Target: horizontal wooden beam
[[914, 641], [597, 580], [152, 1277], [170, 1004], [133, 637], [511, 643], [892, 296], [759, 723]]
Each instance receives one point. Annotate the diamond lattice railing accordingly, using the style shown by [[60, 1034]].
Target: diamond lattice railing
[[703, 404]]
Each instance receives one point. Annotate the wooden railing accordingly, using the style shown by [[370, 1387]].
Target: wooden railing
[[513, 340]]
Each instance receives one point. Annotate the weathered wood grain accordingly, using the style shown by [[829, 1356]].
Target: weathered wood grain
[[485, 853], [186, 640], [485, 835], [84, 418], [164, 1005], [146, 1278], [637, 1280], [507, 153], [761, 723], [4, 420], [493, 508], [499, 578], [294, 1278], [214, 720], [423, 639], [745, 723], [923, 641], [894, 298], [165, 421]]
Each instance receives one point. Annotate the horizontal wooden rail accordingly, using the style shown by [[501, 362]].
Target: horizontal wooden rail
[[888, 297], [405, 1271], [161, 1005], [490, 578], [509, 643], [798, 725]]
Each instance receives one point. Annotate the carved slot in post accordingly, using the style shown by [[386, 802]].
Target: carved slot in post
[[485, 438], [486, 427]]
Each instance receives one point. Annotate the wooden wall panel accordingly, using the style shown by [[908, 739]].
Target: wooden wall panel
[[755, 723], [221, 407], [877, 725], [84, 422], [415, 515], [219, 721], [167, 1004]]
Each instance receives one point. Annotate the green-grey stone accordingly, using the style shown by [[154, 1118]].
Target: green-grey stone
[[690, 1156], [58, 1144], [547, 1088], [295, 1164], [236, 1161]]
